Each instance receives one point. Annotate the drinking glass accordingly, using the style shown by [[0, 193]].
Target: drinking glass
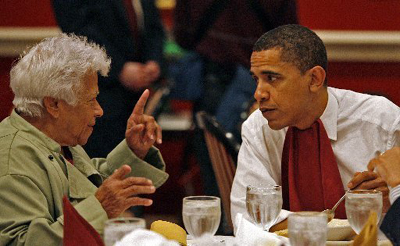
[[307, 228], [359, 204], [116, 229], [201, 215], [263, 204]]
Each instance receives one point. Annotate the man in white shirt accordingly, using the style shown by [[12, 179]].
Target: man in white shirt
[[387, 166], [289, 65]]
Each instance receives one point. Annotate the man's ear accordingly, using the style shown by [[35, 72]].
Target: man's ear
[[318, 76], [52, 106]]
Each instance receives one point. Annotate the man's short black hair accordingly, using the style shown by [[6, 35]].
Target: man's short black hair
[[298, 44]]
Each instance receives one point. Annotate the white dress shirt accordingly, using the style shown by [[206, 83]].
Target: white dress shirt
[[359, 126]]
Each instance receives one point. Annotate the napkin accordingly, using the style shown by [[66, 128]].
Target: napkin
[[169, 230], [77, 231], [144, 237], [249, 234], [369, 234]]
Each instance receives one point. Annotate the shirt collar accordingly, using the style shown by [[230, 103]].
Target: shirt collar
[[329, 117]]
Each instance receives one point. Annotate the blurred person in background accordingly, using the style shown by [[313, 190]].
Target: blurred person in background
[[220, 36], [133, 36], [41, 159]]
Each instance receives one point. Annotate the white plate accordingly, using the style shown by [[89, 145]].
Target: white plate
[[345, 243], [340, 230]]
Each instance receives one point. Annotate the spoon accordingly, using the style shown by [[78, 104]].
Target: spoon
[[331, 212]]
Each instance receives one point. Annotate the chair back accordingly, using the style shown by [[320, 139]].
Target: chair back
[[157, 99], [223, 149]]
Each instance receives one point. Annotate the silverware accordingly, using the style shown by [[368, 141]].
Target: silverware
[[331, 212]]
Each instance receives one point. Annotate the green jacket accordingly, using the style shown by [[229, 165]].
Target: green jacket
[[34, 177]]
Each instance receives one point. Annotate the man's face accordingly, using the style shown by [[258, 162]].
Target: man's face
[[282, 91], [77, 122]]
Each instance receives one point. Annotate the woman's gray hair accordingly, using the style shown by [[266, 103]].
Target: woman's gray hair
[[55, 68]]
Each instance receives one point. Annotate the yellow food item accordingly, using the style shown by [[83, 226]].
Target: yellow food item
[[283, 233], [170, 230]]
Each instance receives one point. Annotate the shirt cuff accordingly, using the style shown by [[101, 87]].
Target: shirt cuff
[[394, 194]]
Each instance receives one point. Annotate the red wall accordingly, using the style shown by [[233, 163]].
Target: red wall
[[5, 91], [26, 13], [350, 14], [377, 78]]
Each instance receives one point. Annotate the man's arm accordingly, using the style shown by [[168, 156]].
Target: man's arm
[[257, 164]]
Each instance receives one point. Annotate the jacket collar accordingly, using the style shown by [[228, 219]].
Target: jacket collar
[[35, 134], [82, 163]]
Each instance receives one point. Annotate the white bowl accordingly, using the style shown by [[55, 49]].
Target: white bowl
[[339, 230]]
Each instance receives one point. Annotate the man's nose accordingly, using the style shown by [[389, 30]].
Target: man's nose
[[262, 92]]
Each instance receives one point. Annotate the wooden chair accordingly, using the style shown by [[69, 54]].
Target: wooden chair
[[157, 99], [223, 149]]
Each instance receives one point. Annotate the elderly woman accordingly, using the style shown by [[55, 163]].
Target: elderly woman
[[41, 158]]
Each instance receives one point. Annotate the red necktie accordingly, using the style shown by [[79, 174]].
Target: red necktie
[[77, 231], [310, 176], [133, 23]]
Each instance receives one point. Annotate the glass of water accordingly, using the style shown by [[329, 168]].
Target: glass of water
[[359, 204], [307, 228], [116, 229], [263, 204], [201, 215]]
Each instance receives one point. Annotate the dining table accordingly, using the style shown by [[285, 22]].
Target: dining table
[[230, 241]]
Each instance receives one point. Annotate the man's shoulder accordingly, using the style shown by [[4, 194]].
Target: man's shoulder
[[363, 106], [352, 97]]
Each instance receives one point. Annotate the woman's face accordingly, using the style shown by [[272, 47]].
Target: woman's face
[[77, 122]]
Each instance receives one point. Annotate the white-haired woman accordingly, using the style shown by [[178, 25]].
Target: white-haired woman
[[41, 158]]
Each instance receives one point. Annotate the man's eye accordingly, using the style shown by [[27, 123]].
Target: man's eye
[[255, 79], [271, 78]]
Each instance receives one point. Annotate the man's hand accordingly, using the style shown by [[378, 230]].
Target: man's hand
[[142, 130], [387, 166], [118, 193], [368, 180], [153, 70], [135, 76]]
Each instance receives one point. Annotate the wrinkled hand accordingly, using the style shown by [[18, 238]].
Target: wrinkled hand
[[369, 180], [387, 166], [134, 76], [142, 130], [118, 193]]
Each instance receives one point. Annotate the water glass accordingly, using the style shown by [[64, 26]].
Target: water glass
[[307, 228], [201, 215], [116, 229], [263, 204], [359, 204]]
